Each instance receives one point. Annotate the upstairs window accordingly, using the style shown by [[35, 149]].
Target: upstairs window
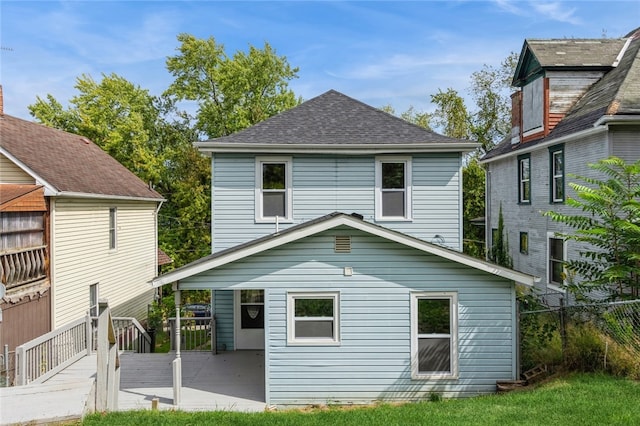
[[393, 189], [556, 174], [113, 226], [273, 190], [524, 179], [533, 107]]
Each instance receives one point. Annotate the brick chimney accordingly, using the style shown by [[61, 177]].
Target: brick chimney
[[1, 102], [516, 117]]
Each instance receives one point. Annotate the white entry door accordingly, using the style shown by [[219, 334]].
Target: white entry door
[[249, 319]]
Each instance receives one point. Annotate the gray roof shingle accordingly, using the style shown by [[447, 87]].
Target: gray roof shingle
[[69, 162], [334, 119], [617, 93]]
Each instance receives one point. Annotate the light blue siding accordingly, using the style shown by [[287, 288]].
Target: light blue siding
[[325, 184], [223, 310], [372, 361]]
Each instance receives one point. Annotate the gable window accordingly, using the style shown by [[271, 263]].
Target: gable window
[[112, 228], [434, 330], [313, 318], [524, 242], [533, 107], [556, 257], [524, 179], [273, 190], [556, 173], [393, 188]]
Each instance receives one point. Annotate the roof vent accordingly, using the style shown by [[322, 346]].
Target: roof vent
[[343, 244]]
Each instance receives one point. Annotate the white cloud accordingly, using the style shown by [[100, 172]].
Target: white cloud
[[556, 11]]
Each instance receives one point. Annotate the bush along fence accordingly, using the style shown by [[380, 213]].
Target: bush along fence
[[589, 337]]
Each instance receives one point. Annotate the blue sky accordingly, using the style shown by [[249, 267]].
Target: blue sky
[[380, 52]]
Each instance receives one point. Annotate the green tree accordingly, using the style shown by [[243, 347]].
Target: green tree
[[232, 93], [421, 119], [500, 244], [473, 194], [608, 227]]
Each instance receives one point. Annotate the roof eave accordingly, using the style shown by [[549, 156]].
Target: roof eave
[[346, 149], [107, 196], [333, 222]]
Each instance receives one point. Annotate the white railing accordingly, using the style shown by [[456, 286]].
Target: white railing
[[196, 333], [44, 356], [108, 362], [131, 335]]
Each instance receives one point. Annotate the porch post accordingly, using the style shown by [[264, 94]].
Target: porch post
[[177, 362]]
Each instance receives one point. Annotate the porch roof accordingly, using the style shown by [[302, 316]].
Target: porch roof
[[325, 223]]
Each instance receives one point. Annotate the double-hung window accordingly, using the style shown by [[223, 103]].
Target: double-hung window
[[273, 190], [313, 318], [393, 188], [557, 257], [434, 330], [524, 179], [556, 174], [113, 226]]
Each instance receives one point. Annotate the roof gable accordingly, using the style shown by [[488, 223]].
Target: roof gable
[[324, 223], [22, 198], [584, 54], [334, 120], [67, 163]]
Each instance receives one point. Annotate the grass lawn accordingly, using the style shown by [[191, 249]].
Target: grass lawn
[[574, 400]]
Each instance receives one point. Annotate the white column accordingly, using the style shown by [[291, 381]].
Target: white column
[[177, 362]]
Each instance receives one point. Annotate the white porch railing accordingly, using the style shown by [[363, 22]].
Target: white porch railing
[[131, 335], [43, 357], [196, 333]]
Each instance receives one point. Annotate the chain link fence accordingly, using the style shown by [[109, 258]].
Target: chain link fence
[[585, 336]]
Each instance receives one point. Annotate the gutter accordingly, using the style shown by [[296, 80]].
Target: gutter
[[598, 128], [106, 197]]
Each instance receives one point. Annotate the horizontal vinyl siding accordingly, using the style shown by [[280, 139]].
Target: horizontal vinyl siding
[[372, 361], [325, 184], [10, 173], [528, 218], [81, 257], [223, 311], [625, 143]]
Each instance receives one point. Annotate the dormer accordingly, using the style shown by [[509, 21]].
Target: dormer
[[551, 76]]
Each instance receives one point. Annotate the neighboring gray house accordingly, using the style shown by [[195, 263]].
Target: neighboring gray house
[[578, 102], [358, 306]]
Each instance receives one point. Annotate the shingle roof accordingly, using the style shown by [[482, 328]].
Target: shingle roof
[[575, 52], [334, 119], [69, 163], [615, 94]]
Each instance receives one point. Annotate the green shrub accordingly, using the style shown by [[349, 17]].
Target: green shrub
[[585, 348]]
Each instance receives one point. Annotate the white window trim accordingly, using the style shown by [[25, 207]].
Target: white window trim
[[288, 188], [113, 245], [555, 175], [522, 180], [564, 257], [453, 305], [315, 341], [408, 189]]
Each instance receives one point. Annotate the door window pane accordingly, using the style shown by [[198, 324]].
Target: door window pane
[[251, 309]]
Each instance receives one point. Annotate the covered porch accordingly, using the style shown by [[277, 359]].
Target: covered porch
[[232, 381]]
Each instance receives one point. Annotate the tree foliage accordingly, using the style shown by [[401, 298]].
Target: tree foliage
[[500, 244], [609, 227], [152, 136], [232, 93]]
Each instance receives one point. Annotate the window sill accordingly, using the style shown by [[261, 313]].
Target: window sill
[[434, 377], [313, 343], [269, 220], [394, 219]]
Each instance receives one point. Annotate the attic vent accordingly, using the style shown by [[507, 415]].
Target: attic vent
[[343, 244]]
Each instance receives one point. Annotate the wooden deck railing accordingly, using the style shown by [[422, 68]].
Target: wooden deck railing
[[43, 357], [22, 266]]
